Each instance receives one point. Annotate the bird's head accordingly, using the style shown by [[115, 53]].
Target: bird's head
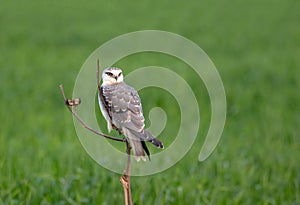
[[112, 76]]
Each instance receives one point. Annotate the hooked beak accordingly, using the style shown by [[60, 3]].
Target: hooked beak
[[116, 77]]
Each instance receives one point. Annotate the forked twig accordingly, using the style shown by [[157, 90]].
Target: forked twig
[[69, 106], [125, 179]]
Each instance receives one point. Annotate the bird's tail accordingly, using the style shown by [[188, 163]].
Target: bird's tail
[[138, 145], [138, 148], [149, 137]]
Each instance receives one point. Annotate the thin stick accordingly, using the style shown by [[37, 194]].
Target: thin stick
[[84, 124], [125, 179], [98, 75]]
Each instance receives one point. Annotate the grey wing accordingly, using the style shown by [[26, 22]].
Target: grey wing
[[126, 110], [104, 103]]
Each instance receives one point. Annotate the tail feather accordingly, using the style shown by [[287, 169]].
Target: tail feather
[[147, 136], [138, 149], [146, 149], [153, 140], [137, 142]]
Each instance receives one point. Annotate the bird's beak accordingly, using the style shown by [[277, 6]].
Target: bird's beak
[[116, 77]]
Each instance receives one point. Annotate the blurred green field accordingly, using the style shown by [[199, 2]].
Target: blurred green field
[[254, 45]]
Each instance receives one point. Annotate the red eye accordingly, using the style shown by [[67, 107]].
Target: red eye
[[109, 73]]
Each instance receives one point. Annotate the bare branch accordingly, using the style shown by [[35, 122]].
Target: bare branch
[[83, 123], [125, 179], [98, 74]]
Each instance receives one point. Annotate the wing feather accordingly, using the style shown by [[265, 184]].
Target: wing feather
[[104, 107], [123, 106]]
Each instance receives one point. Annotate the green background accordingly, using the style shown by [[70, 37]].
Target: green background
[[256, 48]]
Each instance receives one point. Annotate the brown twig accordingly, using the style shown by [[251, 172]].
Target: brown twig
[[125, 179], [98, 75], [83, 123]]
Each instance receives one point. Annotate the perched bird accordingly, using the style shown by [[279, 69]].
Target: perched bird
[[121, 107]]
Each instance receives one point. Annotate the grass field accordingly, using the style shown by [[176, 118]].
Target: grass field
[[254, 45]]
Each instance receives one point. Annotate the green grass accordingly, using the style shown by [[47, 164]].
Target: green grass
[[255, 47]]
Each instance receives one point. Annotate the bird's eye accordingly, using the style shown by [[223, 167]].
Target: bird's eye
[[109, 73], [120, 74]]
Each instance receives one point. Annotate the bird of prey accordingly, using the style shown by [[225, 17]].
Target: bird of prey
[[121, 107]]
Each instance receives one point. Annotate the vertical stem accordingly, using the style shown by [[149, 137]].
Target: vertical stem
[[125, 179], [128, 171]]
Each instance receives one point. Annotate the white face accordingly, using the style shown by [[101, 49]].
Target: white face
[[112, 76]]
